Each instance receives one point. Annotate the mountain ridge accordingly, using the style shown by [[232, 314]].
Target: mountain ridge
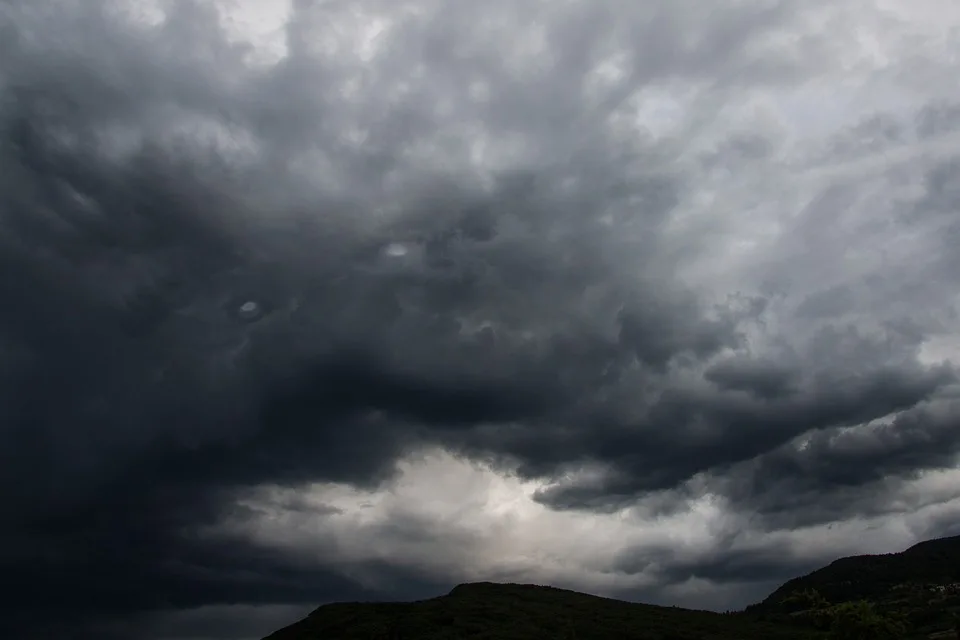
[[913, 593]]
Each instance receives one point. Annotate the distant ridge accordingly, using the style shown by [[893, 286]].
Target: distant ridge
[[470, 589], [912, 594], [491, 611]]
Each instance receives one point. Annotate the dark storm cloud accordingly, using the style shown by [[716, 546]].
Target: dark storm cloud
[[764, 379], [686, 431], [139, 397], [729, 565], [151, 185], [839, 471]]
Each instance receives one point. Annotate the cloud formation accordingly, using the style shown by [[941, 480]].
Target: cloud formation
[[645, 300]]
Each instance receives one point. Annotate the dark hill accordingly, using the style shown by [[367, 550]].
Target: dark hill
[[921, 584], [934, 562], [486, 611], [911, 594]]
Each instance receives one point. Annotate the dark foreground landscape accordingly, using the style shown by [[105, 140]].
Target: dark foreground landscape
[[912, 594]]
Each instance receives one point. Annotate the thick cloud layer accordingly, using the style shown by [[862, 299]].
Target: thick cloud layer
[[591, 266]]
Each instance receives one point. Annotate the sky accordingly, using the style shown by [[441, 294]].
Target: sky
[[311, 301]]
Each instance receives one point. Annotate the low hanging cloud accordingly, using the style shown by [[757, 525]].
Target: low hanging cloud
[[379, 297]]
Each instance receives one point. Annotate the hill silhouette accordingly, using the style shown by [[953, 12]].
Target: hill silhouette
[[920, 585], [519, 612], [933, 562], [911, 594]]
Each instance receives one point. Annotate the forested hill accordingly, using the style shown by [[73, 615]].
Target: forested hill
[[935, 563], [917, 590]]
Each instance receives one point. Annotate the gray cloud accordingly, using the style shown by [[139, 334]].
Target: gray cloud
[[461, 239]]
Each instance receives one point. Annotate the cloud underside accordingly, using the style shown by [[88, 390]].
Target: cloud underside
[[497, 282]]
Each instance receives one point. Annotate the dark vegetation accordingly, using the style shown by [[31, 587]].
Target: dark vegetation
[[913, 594], [917, 591]]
